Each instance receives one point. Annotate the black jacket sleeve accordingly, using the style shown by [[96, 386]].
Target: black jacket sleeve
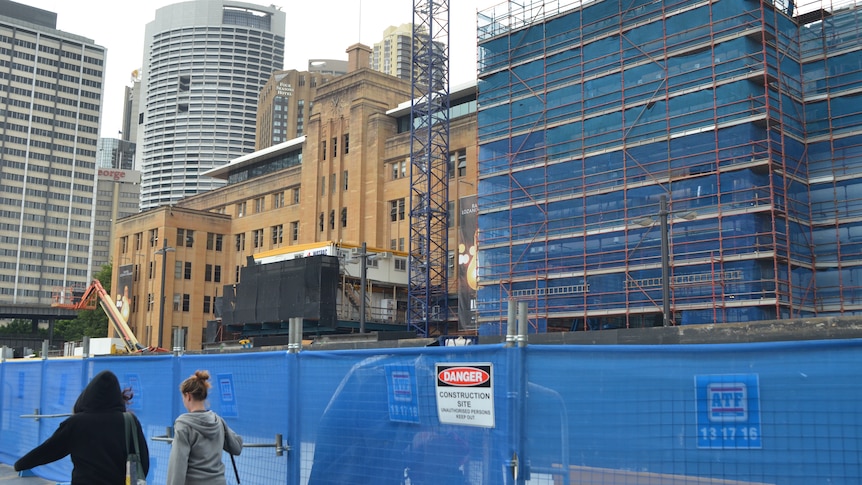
[[54, 448]]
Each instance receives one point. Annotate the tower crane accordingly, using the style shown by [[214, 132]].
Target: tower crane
[[428, 290]]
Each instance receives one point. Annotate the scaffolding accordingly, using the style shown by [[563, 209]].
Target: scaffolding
[[746, 115]]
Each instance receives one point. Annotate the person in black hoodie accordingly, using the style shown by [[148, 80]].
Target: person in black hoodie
[[95, 436]]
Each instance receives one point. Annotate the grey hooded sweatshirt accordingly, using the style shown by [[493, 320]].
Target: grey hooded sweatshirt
[[196, 458]]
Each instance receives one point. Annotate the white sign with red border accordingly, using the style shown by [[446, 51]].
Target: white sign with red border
[[465, 394]]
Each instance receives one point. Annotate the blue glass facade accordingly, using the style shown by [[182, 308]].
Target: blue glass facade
[[748, 119]]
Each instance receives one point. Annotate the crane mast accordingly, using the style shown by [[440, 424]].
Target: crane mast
[[428, 290]]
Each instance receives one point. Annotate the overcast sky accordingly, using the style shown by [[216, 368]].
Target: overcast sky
[[317, 29]]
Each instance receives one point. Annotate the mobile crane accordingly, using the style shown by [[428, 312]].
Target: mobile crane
[[117, 315]]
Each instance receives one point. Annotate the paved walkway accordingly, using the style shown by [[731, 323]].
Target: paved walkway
[[8, 476]]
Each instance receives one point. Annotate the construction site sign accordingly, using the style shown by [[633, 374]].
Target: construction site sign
[[465, 394]]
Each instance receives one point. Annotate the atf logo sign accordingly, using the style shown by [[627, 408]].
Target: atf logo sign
[[728, 411], [403, 399], [465, 394], [727, 402]]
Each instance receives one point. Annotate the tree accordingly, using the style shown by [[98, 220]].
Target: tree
[[90, 323], [22, 327]]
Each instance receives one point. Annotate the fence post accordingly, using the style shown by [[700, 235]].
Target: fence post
[[511, 318], [294, 411], [522, 324], [517, 464]]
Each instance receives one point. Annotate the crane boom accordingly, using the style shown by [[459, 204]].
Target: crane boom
[[96, 292]]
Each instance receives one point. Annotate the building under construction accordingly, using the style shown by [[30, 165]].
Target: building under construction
[[745, 116]]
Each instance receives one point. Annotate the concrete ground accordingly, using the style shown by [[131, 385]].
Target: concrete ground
[[8, 476]]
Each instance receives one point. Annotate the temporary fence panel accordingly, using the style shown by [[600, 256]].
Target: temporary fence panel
[[374, 417], [773, 413], [45, 391], [768, 413]]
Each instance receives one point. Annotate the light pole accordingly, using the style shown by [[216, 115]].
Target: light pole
[[362, 282], [164, 252]]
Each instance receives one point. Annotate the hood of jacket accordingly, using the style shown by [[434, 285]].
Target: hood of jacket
[[101, 395], [207, 423]]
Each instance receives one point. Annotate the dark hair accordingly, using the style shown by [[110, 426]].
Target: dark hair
[[197, 385]]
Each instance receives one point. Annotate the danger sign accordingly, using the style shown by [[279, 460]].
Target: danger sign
[[465, 394]]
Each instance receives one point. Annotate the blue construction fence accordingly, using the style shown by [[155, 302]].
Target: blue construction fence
[[767, 413]]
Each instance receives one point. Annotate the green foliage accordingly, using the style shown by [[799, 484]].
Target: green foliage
[[20, 326], [92, 323]]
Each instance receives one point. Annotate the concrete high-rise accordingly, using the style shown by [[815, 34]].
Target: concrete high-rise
[[285, 105], [50, 104], [131, 108], [393, 55], [205, 62]]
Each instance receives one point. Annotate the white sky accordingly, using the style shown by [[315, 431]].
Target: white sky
[[317, 29]]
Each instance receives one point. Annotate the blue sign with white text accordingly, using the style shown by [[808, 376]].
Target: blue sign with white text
[[728, 411], [227, 396], [403, 401], [133, 382]]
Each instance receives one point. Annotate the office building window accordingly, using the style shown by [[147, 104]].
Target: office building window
[[214, 241], [396, 210], [294, 231]]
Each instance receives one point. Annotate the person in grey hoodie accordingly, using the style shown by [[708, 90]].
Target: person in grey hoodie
[[200, 436]]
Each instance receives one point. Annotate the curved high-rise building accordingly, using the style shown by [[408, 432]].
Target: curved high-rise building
[[205, 62]]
